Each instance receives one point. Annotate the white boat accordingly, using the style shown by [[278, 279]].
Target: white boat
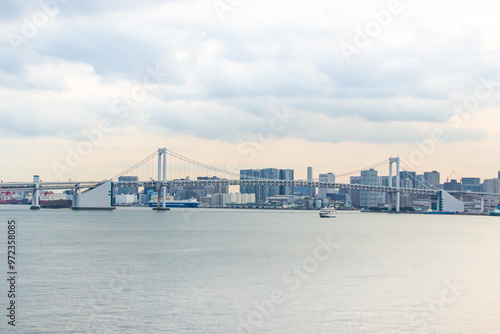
[[328, 212]]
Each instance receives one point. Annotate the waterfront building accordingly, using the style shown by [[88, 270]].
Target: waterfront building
[[369, 198], [286, 174], [472, 184], [329, 178], [311, 191], [407, 179], [453, 185], [355, 194], [432, 178], [231, 198], [188, 192], [262, 192], [384, 181], [491, 186], [211, 189]]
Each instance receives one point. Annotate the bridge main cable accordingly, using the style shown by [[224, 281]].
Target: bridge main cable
[[143, 161]]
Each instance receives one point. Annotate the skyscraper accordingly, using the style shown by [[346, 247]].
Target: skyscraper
[[355, 194], [369, 198], [309, 173], [491, 186], [311, 191], [432, 178], [262, 192], [472, 184], [330, 178], [408, 179], [286, 174]]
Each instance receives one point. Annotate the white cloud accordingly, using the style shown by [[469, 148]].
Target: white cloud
[[226, 77]]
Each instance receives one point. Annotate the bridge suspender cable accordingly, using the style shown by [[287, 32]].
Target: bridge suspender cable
[[362, 169], [145, 160]]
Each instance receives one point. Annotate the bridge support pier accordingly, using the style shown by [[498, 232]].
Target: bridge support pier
[[160, 184], [35, 196]]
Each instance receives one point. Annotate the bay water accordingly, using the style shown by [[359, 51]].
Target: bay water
[[134, 270]]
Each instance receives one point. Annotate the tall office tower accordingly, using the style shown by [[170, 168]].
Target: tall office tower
[[408, 179], [432, 178], [369, 198], [286, 174], [355, 194], [262, 192], [453, 185], [309, 173], [491, 186], [311, 191], [268, 191], [329, 178], [211, 189], [249, 174], [472, 184], [384, 181]]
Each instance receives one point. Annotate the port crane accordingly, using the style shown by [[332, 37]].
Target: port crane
[[451, 174]]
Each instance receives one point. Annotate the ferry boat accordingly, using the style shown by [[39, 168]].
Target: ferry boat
[[328, 212], [187, 203], [496, 212]]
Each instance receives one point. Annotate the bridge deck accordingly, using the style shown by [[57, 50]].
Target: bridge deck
[[154, 184]]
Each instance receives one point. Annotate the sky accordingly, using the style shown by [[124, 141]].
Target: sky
[[89, 88]]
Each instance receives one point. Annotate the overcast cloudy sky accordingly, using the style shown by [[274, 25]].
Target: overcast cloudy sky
[[338, 85]]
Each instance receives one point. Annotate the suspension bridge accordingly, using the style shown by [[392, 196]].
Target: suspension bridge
[[165, 169]]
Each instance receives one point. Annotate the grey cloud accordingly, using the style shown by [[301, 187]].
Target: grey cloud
[[230, 77]]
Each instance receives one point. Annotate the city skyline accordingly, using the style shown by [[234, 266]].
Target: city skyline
[[255, 83]]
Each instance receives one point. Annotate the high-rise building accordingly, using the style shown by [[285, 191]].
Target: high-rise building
[[453, 185], [384, 181], [199, 191], [355, 194], [262, 192], [329, 178], [432, 178], [408, 179], [491, 186], [472, 184], [311, 191], [369, 198], [212, 189], [286, 174]]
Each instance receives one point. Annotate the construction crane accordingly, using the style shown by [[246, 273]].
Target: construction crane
[[453, 172]]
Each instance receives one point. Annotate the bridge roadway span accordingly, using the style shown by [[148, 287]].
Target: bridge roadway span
[[153, 184]]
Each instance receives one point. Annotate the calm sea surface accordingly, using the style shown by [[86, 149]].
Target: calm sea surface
[[238, 271]]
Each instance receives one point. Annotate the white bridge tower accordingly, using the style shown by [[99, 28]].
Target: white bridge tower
[[161, 186], [398, 192]]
